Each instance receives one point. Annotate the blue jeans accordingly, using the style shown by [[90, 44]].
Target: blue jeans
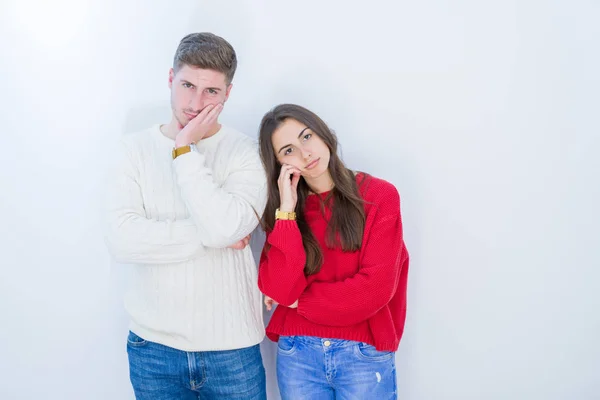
[[321, 369], [159, 372]]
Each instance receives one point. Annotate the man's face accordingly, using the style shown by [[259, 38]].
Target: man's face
[[193, 88]]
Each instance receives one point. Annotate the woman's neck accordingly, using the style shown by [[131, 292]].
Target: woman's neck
[[320, 184]]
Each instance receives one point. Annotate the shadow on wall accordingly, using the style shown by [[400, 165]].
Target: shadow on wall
[[267, 347], [241, 26], [144, 117], [294, 85]]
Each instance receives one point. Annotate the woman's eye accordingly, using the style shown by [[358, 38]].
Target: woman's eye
[[307, 136], [287, 151]]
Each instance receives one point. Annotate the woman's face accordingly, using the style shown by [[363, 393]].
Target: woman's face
[[296, 145]]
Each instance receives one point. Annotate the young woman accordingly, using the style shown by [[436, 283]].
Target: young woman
[[334, 261]]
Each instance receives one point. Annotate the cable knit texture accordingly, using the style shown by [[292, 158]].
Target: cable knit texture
[[173, 219], [358, 295]]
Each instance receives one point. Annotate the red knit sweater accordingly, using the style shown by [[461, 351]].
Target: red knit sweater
[[358, 295]]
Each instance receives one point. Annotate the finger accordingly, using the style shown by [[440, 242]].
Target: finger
[[283, 171], [268, 302], [200, 116], [295, 181], [289, 172], [214, 113], [286, 167], [294, 170], [284, 176], [203, 115]]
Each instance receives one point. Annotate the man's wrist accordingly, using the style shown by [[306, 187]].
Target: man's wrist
[[178, 151], [182, 141]]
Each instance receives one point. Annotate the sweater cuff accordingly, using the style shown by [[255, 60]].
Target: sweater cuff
[[285, 234], [189, 162], [305, 304]]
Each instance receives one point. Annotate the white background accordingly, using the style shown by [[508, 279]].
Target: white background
[[484, 114]]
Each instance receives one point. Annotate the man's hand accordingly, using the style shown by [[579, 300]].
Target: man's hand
[[269, 302], [199, 126], [241, 244]]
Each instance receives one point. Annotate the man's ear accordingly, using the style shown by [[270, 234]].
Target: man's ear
[[171, 77], [227, 91]]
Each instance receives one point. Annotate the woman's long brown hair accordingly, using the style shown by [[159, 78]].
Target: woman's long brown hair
[[346, 226]]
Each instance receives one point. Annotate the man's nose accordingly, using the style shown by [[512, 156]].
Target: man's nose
[[197, 103]]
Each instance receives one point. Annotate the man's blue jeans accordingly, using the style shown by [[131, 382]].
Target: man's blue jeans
[[159, 372], [312, 368]]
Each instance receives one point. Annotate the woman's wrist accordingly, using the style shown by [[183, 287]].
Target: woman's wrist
[[286, 208]]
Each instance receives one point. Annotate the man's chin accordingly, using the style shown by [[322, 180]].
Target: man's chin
[[182, 122]]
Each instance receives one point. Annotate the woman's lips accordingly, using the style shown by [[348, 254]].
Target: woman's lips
[[312, 164]]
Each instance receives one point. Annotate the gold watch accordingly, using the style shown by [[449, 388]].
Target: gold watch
[[183, 149], [285, 215]]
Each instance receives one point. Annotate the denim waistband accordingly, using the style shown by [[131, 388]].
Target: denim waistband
[[327, 342]]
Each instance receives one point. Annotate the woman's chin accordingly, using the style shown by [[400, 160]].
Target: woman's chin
[[312, 174]]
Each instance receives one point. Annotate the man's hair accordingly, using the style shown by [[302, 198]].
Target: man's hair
[[206, 51]]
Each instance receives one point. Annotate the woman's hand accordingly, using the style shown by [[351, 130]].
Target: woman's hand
[[288, 187]]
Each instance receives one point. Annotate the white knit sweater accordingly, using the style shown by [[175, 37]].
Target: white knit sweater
[[174, 219]]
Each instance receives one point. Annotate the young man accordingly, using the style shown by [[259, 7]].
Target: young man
[[186, 196]]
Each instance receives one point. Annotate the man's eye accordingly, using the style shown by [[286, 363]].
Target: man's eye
[[188, 85], [212, 91]]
